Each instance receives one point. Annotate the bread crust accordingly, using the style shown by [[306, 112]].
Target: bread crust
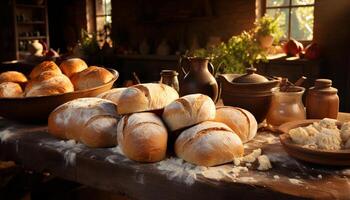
[[142, 137], [10, 90], [92, 121], [91, 77], [72, 66], [209, 144], [113, 94], [43, 67], [13, 76]]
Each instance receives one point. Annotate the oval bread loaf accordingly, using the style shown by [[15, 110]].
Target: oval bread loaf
[[209, 144], [239, 120], [146, 97], [13, 76], [91, 77], [189, 110], [72, 66], [113, 94], [10, 90], [142, 137], [92, 121], [43, 67]]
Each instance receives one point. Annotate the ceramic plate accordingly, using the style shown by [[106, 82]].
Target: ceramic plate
[[37, 109], [324, 157]]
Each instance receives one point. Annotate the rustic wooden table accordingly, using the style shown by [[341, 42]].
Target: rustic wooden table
[[107, 169]]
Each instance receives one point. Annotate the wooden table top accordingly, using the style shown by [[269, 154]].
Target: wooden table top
[[107, 169]]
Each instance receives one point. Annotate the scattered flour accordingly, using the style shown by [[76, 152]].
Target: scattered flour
[[250, 158], [247, 179], [276, 177], [5, 135], [295, 181], [264, 163], [346, 172], [319, 176]]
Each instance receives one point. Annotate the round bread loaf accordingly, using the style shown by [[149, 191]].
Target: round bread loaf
[[189, 110], [91, 121], [47, 84], [239, 120], [72, 66], [13, 76], [91, 77], [9, 89], [146, 97], [43, 67], [113, 94], [142, 137], [209, 144]]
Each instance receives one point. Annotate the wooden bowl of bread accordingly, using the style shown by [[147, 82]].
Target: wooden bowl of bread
[[31, 98]]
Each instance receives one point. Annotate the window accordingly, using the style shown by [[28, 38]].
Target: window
[[103, 20], [296, 17]]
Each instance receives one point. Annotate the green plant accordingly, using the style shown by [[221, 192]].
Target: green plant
[[89, 43], [267, 25]]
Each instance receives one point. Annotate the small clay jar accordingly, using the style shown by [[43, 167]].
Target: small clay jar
[[169, 77], [322, 100]]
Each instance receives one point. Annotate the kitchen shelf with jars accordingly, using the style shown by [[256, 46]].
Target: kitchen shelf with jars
[[30, 27]]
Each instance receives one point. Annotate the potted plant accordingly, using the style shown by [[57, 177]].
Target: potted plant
[[267, 31]]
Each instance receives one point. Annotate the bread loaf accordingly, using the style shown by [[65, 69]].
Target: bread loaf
[[13, 76], [209, 144], [91, 77], [48, 83], [146, 97], [239, 120], [9, 89], [189, 110], [142, 137], [72, 66], [92, 121], [113, 94], [45, 66]]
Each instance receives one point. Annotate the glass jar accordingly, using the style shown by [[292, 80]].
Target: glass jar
[[286, 106], [169, 77]]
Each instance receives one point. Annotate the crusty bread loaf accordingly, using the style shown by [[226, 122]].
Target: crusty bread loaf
[[44, 66], [72, 66], [239, 120], [48, 83], [142, 137], [146, 97], [92, 121], [13, 76], [91, 77], [113, 94], [209, 144], [9, 89], [189, 110]]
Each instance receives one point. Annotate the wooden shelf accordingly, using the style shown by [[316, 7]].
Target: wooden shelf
[[31, 22], [32, 37], [30, 6]]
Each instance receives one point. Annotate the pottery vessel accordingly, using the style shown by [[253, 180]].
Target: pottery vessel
[[266, 41], [322, 100], [249, 91], [169, 77], [198, 79]]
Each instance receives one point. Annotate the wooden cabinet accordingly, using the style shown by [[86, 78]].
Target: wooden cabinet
[[30, 24]]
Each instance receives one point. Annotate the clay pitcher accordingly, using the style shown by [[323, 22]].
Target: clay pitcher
[[198, 79]]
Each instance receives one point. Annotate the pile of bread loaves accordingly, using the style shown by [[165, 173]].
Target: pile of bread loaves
[[49, 79], [141, 118]]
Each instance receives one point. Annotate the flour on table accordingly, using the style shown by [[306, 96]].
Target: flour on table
[[5, 135], [264, 163], [276, 177], [295, 181]]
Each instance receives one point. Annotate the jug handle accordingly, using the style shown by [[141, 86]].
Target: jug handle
[[181, 68], [211, 68]]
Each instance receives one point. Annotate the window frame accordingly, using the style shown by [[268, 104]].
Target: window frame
[[264, 8]]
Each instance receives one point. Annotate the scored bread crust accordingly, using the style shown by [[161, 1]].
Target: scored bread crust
[[13, 76], [92, 121], [146, 97], [142, 137], [208, 144], [189, 110], [239, 120], [43, 67], [91, 77], [113, 94]]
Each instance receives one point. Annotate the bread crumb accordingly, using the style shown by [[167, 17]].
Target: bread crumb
[[319, 176], [250, 158], [276, 177], [248, 164], [264, 163], [295, 181]]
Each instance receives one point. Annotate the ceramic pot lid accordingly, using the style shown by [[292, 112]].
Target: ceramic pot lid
[[250, 77]]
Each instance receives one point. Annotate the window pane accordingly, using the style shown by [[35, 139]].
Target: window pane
[[100, 10], [302, 20], [283, 19], [271, 3], [100, 22], [108, 7], [302, 2]]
